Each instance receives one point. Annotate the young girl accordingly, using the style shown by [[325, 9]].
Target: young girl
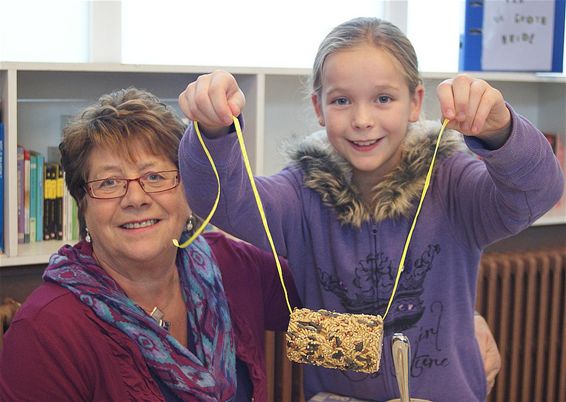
[[341, 211]]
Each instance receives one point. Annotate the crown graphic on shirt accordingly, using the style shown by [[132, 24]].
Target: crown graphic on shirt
[[374, 278]]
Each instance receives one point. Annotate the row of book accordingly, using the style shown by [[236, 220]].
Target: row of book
[[46, 211]]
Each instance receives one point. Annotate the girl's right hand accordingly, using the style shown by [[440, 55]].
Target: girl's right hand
[[212, 100], [475, 108]]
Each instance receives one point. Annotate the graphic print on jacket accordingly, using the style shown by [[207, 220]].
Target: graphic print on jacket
[[368, 292]]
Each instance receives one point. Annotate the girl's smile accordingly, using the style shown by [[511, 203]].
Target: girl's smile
[[366, 106], [365, 146]]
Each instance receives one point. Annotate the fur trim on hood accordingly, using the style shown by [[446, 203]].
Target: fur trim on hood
[[330, 175]]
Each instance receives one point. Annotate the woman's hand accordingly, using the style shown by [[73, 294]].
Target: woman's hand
[[488, 349], [212, 100], [475, 108]]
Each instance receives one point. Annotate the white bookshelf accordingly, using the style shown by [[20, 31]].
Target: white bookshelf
[[35, 96]]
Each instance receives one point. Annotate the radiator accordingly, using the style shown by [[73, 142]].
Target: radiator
[[523, 298]]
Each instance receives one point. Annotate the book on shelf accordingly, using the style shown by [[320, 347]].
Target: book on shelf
[[557, 145], [20, 196], [59, 216], [75, 220], [70, 216], [32, 196], [46, 210], [27, 167], [40, 196], [50, 188]]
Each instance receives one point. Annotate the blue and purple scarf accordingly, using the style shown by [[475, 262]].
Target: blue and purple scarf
[[208, 374]]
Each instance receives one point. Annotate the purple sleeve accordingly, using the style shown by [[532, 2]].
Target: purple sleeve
[[237, 212], [505, 191]]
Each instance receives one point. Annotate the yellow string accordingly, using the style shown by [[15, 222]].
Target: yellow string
[[213, 210], [410, 235], [260, 208], [257, 199]]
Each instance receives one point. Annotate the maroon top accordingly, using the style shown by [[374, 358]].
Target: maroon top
[[58, 349]]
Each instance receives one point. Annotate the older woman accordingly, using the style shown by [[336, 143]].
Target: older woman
[[124, 314]]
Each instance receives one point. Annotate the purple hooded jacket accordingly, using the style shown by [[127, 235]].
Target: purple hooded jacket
[[344, 254]]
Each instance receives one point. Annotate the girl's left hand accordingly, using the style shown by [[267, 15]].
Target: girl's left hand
[[475, 108], [488, 349]]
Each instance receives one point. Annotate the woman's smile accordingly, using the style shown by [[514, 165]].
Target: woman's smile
[[139, 224]]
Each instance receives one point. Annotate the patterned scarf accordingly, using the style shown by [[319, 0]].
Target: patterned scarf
[[208, 374]]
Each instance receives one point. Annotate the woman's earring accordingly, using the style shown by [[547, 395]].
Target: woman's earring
[[87, 237], [190, 224]]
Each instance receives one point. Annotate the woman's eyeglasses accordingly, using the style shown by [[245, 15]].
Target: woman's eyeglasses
[[116, 187]]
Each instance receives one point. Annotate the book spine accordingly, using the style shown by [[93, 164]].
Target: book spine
[[75, 220], [66, 211], [50, 195], [40, 195], [32, 196], [27, 182], [46, 200], [21, 212], [60, 185], [555, 141]]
